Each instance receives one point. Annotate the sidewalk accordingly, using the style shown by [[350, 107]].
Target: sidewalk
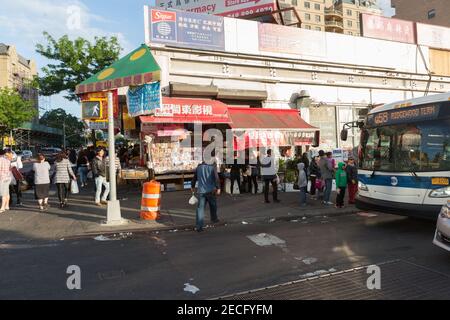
[[83, 219]]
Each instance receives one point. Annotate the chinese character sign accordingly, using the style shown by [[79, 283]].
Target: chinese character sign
[[379, 27], [186, 29], [144, 99]]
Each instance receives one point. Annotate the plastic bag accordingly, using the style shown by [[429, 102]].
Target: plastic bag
[[193, 200], [74, 187]]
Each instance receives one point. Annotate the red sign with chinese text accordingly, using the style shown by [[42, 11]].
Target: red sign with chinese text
[[379, 27]]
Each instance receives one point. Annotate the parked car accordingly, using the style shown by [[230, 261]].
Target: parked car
[[442, 236], [50, 154], [26, 154]]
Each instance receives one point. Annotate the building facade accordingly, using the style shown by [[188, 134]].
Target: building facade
[[339, 16], [435, 12]]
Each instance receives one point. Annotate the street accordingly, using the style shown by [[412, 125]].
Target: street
[[224, 260]]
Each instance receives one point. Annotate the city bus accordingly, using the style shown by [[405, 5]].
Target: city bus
[[404, 157]]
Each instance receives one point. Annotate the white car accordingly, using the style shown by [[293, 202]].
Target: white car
[[27, 154], [442, 236]]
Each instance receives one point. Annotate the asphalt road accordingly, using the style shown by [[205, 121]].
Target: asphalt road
[[219, 262]]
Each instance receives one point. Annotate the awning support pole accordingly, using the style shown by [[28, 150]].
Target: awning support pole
[[114, 216]]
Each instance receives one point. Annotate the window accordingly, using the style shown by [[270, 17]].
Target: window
[[308, 27], [349, 23], [317, 6], [307, 16], [350, 33], [307, 5], [294, 2], [349, 12], [318, 29], [431, 14], [318, 19]]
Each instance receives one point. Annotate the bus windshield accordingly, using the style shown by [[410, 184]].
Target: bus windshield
[[415, 147]]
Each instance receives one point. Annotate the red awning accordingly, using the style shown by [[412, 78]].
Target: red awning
[[273, 119], [184, 110]]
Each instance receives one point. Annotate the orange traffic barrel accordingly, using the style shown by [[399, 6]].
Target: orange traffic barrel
[[151, 201]]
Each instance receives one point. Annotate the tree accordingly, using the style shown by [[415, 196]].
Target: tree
[[14, 110], [71, 125], [77, 61]]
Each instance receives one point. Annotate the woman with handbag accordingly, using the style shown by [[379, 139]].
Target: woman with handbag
[[63, 175]]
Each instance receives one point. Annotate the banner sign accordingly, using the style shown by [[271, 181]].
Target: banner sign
[[379, 27], [185, 29], [269, 138], [433, 36], [281, 39], [404, 115], [144, 99], [226, 8]]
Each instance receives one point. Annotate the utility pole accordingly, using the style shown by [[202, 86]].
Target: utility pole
[[114, 217], [64, 133]]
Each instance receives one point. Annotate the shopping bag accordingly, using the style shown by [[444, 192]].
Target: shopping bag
[[74, 187], [17, 174], [193, 200]]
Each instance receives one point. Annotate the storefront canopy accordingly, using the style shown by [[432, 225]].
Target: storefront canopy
[[272, 119], [137, 68], [183, 110]]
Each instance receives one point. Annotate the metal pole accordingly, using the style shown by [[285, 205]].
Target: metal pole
[[114, 215], [64, 134]]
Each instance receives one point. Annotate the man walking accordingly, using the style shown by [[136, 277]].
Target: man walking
[[208, 188], [100, 173], [352, 175], [326, 171], [269, 172]]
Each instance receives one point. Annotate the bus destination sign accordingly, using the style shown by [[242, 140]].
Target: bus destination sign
[[402, 115]]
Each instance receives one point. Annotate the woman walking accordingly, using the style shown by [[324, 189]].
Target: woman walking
[[63, 175], [42, 181]]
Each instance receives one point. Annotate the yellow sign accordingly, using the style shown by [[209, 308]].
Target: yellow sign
[[440, 181], [103, 144]]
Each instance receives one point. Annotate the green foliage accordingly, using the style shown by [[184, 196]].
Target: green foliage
[[14, 110], [76, 61], [291, 176], [73, 126]]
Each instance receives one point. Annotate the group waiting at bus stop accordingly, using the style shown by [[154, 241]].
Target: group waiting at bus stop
[[314, 177]]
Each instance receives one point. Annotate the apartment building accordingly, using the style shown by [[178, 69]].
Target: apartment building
[[339, 16], [17, 72], [435, 12]]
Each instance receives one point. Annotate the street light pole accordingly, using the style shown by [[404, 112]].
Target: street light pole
[[113, 215], [64, 133]]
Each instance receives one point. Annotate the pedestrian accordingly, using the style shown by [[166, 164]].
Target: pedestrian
[[83, 167], [235, 176], [41, 170], [63, 176], [253, 178], [5, 178], [314, 174], [100, 174], [16, 180], [208, 189], [352, 176], [341, 185], [326, 171], [73, 160], [269, 171], [302, 183], [305, 161]]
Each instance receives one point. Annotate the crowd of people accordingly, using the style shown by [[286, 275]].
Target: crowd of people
[[315, 177]]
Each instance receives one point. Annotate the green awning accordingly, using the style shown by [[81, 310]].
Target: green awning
[[137, 68]]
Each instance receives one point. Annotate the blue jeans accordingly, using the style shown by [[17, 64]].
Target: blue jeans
[[303, 195], [328, 189], [83, 174], [211, 199], [101, 182]]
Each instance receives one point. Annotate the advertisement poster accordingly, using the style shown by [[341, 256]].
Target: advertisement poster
[[144, 99], [379, 27], [185, 29], [226, 8]]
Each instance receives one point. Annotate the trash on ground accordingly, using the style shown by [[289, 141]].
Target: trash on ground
[[190, 288]]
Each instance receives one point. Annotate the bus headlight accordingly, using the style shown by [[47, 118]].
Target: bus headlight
[[362, 186], [440, 193]]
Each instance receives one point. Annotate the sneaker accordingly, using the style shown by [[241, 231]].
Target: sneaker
[[199, 230], [98, 204], [330, 203], [215, 221]]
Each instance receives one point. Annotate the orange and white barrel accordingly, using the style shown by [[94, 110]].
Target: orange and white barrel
[[151, 201]]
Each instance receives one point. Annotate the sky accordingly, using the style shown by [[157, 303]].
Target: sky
[[22, 23]]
